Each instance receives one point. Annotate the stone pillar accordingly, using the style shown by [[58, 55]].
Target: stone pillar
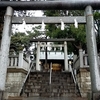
[[5, 45], [92, 50], [38, 57], [65, 56], [50, 73], [81, 57], [20, 62]]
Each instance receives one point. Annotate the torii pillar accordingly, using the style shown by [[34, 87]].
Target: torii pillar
[[38, 57], [92, 50], [5, 45], [65, 56]]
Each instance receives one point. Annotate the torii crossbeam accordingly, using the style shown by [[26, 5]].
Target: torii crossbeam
[[51, 5]]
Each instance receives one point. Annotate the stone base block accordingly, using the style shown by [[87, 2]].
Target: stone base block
[[96, 96]]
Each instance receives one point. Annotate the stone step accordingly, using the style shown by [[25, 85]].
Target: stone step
[[39, 74], [57, 94], [52, 90], [61, 84], [52, 86], [46, 94], [34, 94], [15, 98], [55, 98], [52, 79]]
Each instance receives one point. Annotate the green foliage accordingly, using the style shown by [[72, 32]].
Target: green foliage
[[54, 31], [19, 41], [76, 13], [80, 37], [52, 12], [70, 32], [97, 21], [78, 33], [97, 28], [96, 15], [64, 13]]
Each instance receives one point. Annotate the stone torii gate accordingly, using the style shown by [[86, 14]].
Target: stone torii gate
[[52, 40], [86, 5]]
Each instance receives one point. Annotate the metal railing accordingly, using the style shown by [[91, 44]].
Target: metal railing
[[75, 79], [22, 87]]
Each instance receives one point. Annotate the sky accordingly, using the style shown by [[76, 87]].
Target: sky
[[23, 27]]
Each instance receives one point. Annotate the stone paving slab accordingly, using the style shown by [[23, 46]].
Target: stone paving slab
[[54, 98]]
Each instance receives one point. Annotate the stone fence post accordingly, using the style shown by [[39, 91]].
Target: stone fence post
[[81, 57], [20, 62]]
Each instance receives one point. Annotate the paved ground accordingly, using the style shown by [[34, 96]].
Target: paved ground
[[53, 98]]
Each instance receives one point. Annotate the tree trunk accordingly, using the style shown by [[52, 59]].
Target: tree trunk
[[1, 24], [1, 95]]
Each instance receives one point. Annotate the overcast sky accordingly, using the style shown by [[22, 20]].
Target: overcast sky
[[23, 27]]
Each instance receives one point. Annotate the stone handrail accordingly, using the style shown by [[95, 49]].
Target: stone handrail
[[84, 63], [18, 61], [75, 79], [76, 63], [85, 60], [13, 61], [25, 64], [22, 87]]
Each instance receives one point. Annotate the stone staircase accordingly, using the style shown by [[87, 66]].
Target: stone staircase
[[62, 85], [15, 98]]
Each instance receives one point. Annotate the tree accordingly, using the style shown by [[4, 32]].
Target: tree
[[2, 12], [97, 28], [80, 37], [54, 31], [20, 41]]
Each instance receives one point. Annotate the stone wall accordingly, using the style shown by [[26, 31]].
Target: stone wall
[[14, 81], [84, 81]]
